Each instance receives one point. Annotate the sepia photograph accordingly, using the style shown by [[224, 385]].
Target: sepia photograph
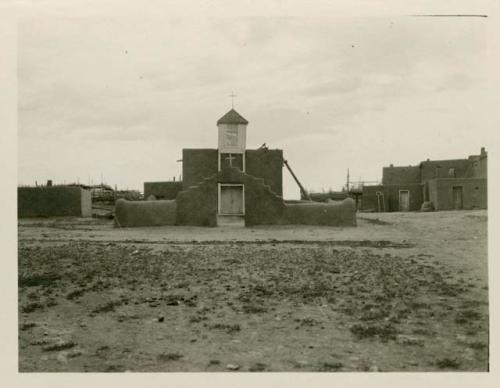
[[201, 191]]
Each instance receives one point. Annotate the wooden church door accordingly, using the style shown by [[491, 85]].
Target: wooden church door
[[231, 200]]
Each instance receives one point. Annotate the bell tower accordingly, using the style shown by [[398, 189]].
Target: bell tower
[[232, 140], [231, 154]]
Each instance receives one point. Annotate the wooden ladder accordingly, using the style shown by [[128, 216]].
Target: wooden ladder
[[380, 206]]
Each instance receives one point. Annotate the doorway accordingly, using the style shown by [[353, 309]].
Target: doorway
[[231, 200], [404, 200], [458, 197]]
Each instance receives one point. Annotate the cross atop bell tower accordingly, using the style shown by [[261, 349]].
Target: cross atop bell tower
[[232, 95]]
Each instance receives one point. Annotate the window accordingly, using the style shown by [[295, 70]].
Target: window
[[231, 136], [451, 172]]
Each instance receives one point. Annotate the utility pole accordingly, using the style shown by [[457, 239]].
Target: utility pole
[[180, 175], [347, 186]]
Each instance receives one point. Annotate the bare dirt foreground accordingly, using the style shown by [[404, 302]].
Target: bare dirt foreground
[[401, 292]]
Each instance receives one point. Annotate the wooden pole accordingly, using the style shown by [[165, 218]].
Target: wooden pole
[[303, 191]]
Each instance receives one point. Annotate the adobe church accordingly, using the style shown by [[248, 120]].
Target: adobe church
[[228, 186]]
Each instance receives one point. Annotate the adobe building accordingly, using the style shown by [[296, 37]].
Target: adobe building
[[228, 185], [51, 201], [443, 184]]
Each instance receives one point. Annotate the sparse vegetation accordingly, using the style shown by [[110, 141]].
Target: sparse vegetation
[[75, 294], [30, 307], [58, 346], [165, 357], [467, 317], [383, 331], [35, 280], [448, 363], [259, 305], [106, 307], [228, 328], [258, 367], [330, 366], [27, 326], [254, 308]]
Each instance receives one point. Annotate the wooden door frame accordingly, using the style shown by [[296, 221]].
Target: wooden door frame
[[399, 200], [461, 197], [219, 187]]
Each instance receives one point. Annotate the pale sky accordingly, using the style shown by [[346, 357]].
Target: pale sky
[[120, 90]]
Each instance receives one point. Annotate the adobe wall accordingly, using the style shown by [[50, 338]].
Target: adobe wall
[[262, 205], [391, 196], [317, 213], [440, 168], [86, 203], [145, 213], [483, 168], [53, 201], [198, 204], [474, 193], [369, 200], [332, 195], [162, 190], [197, 164], [266, 164], [479, 167], [400, 175]]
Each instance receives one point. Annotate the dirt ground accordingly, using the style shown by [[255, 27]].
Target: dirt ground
[[401, 292]]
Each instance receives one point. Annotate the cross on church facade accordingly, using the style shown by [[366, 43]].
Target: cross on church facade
[[231, 158]]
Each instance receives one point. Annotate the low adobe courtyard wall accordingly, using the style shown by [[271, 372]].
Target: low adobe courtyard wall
[[197, 206], [341, 213], [51, 201], [145, 213], [169, 212]]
